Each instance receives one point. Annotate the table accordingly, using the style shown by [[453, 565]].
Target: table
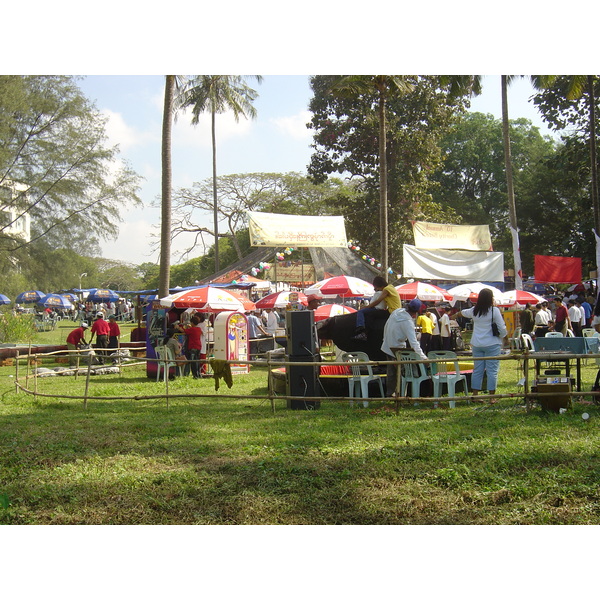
[[554, 349]]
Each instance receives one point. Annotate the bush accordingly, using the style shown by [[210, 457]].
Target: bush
[[16, 328]]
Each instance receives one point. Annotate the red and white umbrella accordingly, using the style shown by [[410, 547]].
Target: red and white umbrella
[[341, 285], [470, 291], [208, 299], [423, 291], [520, 297], [331, 310], [281, 300]]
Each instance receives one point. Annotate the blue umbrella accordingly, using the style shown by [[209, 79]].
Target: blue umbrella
[[56, 301], [4, 299], [70, 297], [30, 297], [100, 295]]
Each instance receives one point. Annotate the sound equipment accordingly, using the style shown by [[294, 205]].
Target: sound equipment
[[302, 380], [300, 333]]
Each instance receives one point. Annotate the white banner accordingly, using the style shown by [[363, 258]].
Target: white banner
[[270, 229], [452, 265], [436, 236]]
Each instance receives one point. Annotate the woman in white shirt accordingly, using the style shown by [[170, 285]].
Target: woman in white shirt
[[484, 342]]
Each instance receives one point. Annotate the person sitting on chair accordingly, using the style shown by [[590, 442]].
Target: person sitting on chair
[[389, 295]]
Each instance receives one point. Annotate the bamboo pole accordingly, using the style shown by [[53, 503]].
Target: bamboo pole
[[87, 383]]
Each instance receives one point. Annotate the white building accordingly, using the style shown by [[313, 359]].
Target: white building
[[12, 221]]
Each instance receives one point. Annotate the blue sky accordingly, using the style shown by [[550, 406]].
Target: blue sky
[[276, 141]]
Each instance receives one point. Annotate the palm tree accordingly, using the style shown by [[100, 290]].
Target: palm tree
[[218, 94], [381, 86], [165, 228]]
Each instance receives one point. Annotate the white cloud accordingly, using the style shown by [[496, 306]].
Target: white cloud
[[120, 133], [294, 126]]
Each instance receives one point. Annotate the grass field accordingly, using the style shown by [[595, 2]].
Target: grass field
[[220, 460]]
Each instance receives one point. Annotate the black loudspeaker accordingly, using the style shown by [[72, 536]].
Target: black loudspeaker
[[301, 380], [300, 333]]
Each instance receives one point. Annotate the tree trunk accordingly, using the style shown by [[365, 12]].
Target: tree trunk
[[512, 209], [215, 211], [594, 172], [383, 203], [165, 229]]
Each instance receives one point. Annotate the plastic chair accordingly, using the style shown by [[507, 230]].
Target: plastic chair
[[441, 373], [165, 362], [570, 333], [527, 342], [359, 380], [554, 334], [413, 374], [588, 332]]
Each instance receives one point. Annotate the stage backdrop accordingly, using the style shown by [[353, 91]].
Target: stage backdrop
[[270, 229], [557, 269], [436, 236], [453, 265]]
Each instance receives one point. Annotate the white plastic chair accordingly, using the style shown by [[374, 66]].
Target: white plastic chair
[[165, 361], [413, 374], [588, 332], [442, 373], [570, 333], [527, 342], [359, 380], [554, 334]]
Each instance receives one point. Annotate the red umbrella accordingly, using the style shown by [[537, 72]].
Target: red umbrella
[[207, 299], [281, 300], [519, 297], [423, 291], [341, 285], [331, 310]]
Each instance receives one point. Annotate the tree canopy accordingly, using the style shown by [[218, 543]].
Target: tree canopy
[[53, 143]]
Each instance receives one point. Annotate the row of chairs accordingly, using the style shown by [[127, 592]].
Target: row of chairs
[[447, 371]]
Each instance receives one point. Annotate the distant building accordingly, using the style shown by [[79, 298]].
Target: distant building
[[13, 195]]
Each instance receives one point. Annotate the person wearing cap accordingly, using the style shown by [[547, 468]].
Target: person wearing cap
[[389, 295], [398, 331], [312, 302], [101, 330], [74, 341], [114, 332]]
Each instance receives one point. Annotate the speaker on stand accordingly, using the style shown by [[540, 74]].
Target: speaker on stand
[[301, 380]]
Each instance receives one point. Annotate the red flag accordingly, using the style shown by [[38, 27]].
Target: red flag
[[557, 269]]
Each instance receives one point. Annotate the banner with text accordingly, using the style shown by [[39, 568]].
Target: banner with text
[[436, 236], [453, 265], [270, 229]]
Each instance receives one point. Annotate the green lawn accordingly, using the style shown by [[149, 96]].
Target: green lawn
[[220, 460]]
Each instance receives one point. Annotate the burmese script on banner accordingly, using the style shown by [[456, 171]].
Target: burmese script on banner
[[437, 236], [453, 265], [271, 229]]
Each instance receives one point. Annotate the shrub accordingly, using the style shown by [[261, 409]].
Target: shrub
[[16, 328]]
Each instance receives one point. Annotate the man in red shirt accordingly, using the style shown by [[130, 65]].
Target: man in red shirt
[[101, 329], [114, 332], [193, 334], [561, 317], [74, 341]]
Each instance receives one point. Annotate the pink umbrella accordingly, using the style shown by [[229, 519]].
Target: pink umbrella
[[207, 299], [331, 310], [423, 291], [281, 300], [341, 285]]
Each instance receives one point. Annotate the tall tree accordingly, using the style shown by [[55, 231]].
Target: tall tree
[[165, 227], [347, 141], [53, 145], [218, 94]]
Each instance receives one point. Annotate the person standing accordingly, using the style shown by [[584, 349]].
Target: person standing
[[193, 334], [561, 317], [484, 342], [574, 318], [425, 323], [526, 319], [101, 330], [271, 322], [445, 332], [74, 341], [541, 321], [114, 332]]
